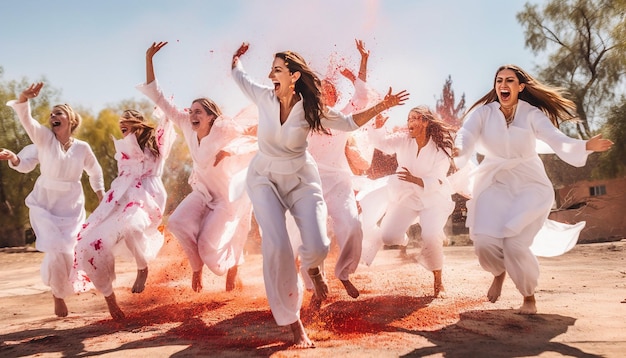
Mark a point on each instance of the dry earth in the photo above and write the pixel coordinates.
(580, 302)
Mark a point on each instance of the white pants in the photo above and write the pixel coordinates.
(510, 254)
(214, 237)
(55, 272)
(305, 202)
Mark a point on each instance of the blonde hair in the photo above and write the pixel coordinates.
(73, 116)
(143, 130)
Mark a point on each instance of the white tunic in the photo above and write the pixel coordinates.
(211, 223)
(510, 188)
(402, 203)
(57, 202)
(282, 176)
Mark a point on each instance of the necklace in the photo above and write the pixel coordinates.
(509, 119)
(67, 144)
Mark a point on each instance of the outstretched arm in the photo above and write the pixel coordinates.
(598, 144)
(240, 51)
(152, 50)
(31, 92)
(8, 155)
(365, 54)
(390, 100)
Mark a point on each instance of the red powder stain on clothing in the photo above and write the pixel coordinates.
(125, 156)
(110, 196)
(97, 245)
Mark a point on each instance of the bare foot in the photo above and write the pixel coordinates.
(114, 309)
(496, 287)
(315, 304)
(140, 281)
(300, 339)
(350, 289)
(439, 290)
(60, 309)
(528, 307)
(319, 283)
(231, 278)
(196, 281)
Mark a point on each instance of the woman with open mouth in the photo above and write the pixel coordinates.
(210, 224)
(57, 202)
(511, 195)
(283, 176)
(418, 192)
(128, 219)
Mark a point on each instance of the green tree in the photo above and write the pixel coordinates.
(584, 42)
(612, 163)
(450, 111)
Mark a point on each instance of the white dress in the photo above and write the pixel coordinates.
(511, 195)
(401, 204)
(211, 224)
(283, 176)
(57, 202)
(129, 215)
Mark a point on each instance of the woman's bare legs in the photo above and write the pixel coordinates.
(196, 280)
(140, 281)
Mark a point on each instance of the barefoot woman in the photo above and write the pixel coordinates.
(512, 195)
(283, 176)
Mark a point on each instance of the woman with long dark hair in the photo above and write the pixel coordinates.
(511, 195)
(283, 176)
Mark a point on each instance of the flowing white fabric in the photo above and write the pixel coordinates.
(127, 221)
(212, 223)
(56, 203)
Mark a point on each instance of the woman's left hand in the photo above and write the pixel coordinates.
(405, 175)
(598, 144)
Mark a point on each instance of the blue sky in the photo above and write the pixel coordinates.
(94, 51)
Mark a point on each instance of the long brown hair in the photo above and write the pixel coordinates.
(143, 130)
(436, 129)
(550, 100)
(308, 86)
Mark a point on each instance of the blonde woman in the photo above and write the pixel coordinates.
(57, 202)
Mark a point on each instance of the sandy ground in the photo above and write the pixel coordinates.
(581, 313)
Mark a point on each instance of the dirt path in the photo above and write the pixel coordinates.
(579, 302)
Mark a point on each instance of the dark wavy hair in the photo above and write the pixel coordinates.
(308, 86)
(436, 129)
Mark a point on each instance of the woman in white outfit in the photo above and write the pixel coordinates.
(419, 191)
(336, 154)
(128, 219)
(57, 202)
(283, 176)
(511, 193)
(211, 226)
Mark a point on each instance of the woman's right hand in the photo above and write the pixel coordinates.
(31, 92)
(150, 52)
(156, 46)
(240, 51)
(6, 154)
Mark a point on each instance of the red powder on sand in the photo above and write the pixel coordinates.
(242, 320)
